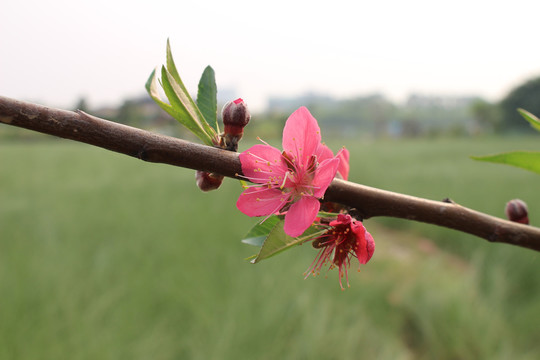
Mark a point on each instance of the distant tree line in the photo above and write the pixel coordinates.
(420, 115)
(502, 116)
(373, 115)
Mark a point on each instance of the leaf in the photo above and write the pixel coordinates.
(532, 119)
(186, 99)
(260, 231)
(277, 241)
(152, 89)
(171, 66)
(207, 97)
(528, 160)
(178, 101)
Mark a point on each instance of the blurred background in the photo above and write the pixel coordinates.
(104, 256)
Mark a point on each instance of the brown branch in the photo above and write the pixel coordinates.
(157, 148)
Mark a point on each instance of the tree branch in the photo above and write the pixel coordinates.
(151, 147)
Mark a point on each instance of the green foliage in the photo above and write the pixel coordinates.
(526, 96)
(527, 160)
(181, 106)
(258, 233)
(532, 119)
(207, 97)
(375, 115)
(272, 240)
(486, 115)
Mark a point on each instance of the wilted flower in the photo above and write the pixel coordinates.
(346, 238)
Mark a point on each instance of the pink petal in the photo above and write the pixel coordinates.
(301, 135)
(301, 215)
(370, 246)
(323, 152)
(262, 162)
(261, 201)
(342, 219)
(343, 169)
(364, 240)
(324, 175)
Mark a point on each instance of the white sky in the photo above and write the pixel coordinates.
(54, 52)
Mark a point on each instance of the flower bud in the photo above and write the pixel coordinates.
(516, 210)
(208, 181)
(235, 115)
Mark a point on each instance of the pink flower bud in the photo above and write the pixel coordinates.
(516, 210)
(208, 181)
(235, 116)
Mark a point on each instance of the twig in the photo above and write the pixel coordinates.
(151, 147)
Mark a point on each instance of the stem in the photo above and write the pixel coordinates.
(147, 146)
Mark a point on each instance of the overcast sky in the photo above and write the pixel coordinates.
(54, 52)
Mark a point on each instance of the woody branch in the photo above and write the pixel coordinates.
(151, 147)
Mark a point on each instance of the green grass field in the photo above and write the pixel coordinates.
(107, 257)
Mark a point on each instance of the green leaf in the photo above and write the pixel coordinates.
(528, 160)
(186, 99)
(207, 97)
(277, 241)
(152, 88)
(532, 119)
(178, 101)
(171, 66)
(260, 231)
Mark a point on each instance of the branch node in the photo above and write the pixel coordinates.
(142, 154)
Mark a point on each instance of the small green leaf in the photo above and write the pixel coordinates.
(255, 241)
(528, 160)
(186, 99)
(532, 119)
(171, 66)
(260, 231)
(207, 97)
(152, 88)
(277, 241)
(178, 101)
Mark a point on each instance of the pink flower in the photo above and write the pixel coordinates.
(345, 239)
(291, 181)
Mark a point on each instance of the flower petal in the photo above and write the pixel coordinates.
(370, 246)
(323, 176)
(261, 201)
(343, 168)
(323, 152)
(301, 135)
(364, 241)
(301, 215)
(261, 163)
